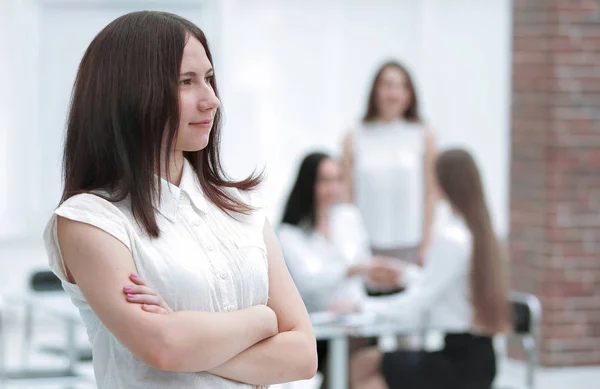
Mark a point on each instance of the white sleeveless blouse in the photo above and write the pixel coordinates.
(203, 260)
(389, 182)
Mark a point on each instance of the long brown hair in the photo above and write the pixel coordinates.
(460, 181)
(411, 113)
(124, 104)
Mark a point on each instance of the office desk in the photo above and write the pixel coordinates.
(338, 329)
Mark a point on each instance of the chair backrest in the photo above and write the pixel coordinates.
(521, 318)
(45, 281)
(527, 312)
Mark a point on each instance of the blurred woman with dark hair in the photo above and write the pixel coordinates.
(324, 243)
(388, 167)
(323, 240)
(177, 274)
(462, 288)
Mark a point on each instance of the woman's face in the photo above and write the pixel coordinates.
(393, 94)
(197, 100)
(328, 187)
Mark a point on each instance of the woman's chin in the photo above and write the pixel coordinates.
(197, 144)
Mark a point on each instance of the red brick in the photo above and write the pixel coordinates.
(580, 358)
(530, 30)
(572, 58)
(566, 331)
(531, 44)
(531, 57)
(565, 7)
(523, 6)
(533, 16)
(554, 239)
(572, 344)
(562, 43)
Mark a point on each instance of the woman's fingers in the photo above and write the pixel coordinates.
(138, 289)
(137, 279)
(151, 299)
(140, 293)
(154, 309)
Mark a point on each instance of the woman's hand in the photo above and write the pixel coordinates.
(152, 302)
(383, 273)
(343, 307)
(140, 293)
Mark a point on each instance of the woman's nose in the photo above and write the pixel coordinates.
(208, 101)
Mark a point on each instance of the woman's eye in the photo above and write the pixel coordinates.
(208, 79)
(187, 81)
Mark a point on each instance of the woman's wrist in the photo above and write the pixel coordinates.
(265, 320)
(356, 270)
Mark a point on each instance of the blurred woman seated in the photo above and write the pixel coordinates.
(324, 242)
(461, 288)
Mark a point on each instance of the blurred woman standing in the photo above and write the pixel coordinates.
(388, 167)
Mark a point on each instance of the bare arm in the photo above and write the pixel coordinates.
(430, 194)
(183, 341)
(289, 355)
(347, 168)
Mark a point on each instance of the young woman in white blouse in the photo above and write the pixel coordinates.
(145, 198)
(461, 288)
(388, 165)
(324, 243)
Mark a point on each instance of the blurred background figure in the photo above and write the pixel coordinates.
(324, 243)
(388, 167)
(462, 288)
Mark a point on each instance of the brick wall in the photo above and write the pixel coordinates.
(555, 172)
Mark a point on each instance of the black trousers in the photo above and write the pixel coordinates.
(467, 361)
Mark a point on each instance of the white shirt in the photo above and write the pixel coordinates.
(440, 290)
(389, 183)
(319, 266)
(203, 260)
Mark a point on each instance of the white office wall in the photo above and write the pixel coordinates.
(293, 77)
(296, 75)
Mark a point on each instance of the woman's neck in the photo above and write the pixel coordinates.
(389, 120)
(176, 161)
(322, 221)
(390, 117)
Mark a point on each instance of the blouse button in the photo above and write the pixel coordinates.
(223, 274)
(196, 222)
(210, 247)
(230, 308)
